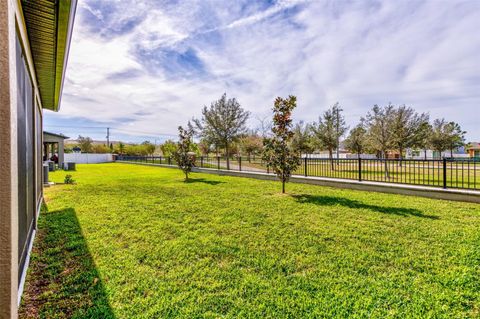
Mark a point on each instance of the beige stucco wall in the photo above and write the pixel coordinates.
(8, 169)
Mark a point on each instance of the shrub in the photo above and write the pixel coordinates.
(69, 179)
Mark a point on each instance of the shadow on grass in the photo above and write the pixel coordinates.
(203, 180)
(333, 201)
(63, 281)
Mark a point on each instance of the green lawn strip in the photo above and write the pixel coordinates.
(232, 247)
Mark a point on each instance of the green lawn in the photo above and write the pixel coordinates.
(459, 174)
(131, 241)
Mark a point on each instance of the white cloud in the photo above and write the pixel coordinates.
(424, 54)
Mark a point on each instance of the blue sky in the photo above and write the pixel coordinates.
(145, 67)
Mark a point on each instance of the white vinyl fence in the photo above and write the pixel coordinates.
(87, 158)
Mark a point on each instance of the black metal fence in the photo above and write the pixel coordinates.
(442, 173)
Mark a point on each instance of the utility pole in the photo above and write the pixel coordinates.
(338, 135)
(108, 137)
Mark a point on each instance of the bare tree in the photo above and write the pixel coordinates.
(264, 126)
(223, 122)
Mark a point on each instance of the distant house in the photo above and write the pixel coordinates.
(473, 149)
(431, 154)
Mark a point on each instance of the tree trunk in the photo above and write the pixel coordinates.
(425, 153)
(186, 176)
(400, 150)
(386, 164)
(283, 186)
(228, 156)
(451, 153)
(330, 153)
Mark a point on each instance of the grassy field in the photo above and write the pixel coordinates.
(131, 241)
(459, 175)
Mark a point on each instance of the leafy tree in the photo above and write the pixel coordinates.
(223, 122)
(406, 127)
(100, 149)
(329, 129)
(121, 148)
(356, 140)
(302, 139)
(446, 136)
(456, 137)
(183, 155)
(381, 130)
(204, 146)
(85, 144)
(136, 149)
(277, 153)
(149, 147)
(422, 138)
(251, 144)
(168, 148)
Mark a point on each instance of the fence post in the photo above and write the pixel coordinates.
(305, 166)
(359, 169)
(240, 163)
(444, 173)
(218, 162)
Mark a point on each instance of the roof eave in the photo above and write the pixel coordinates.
(69, 14)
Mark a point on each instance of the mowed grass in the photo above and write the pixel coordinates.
(132, 241)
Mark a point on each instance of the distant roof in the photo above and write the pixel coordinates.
(56, 135)
(49, 25)
(473, 146)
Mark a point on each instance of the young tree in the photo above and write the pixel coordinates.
(456, 137)
(441, 136)
(251, 144)
(380, 130)
(356, 140)
(121, 148)
(183, 156)
(406, 126)
(168, 148)
(85, 144)
(277, 153)
(223, 123)
(329, 129)
(302, 139)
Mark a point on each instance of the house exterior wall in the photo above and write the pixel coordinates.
(15, 248)
(8, 169)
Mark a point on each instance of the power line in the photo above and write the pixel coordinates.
(114, 128)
